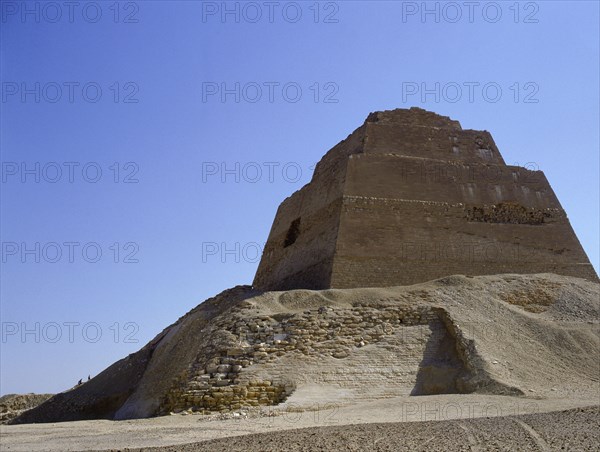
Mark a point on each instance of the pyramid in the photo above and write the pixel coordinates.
(410, 196)
(391, 205)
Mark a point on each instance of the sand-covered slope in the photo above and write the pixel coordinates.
(504, 334)
(12, 405)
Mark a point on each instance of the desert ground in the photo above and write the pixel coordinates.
(504, 362)
(448, 422)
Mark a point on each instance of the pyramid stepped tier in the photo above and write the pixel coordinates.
(409, 197)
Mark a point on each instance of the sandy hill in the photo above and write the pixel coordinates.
(12, 405)
(504, 334)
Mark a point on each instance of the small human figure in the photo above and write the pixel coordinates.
(79, 382)
(89, 378)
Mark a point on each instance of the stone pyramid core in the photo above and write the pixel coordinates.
(409, 197)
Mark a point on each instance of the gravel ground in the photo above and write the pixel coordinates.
(573, 430)
(443, 422)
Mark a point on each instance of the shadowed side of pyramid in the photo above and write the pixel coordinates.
(409, 197)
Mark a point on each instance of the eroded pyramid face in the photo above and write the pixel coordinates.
(408, 197)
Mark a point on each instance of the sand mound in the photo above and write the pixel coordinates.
(506, 334)
(12, 405)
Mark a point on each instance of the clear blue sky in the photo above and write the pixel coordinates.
(157, 65)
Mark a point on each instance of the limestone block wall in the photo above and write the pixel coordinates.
(423, 134)
(409, 178)
(415, 241)
(304, 259)
(364, 349)
(306, 262)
